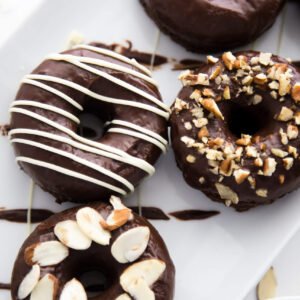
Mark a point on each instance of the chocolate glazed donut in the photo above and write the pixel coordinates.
(211, 26)
(45, 124)
(235, 128)
(124, 247)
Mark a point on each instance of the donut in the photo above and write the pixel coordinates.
(234, 128)
(46, 118)
(123, 246)
(211, 26)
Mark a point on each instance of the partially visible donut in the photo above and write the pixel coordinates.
(45, 124)
(211, 26)
(235, 128)
(123, 246)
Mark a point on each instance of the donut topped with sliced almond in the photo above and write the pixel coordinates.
(94, 252)
(235, 128)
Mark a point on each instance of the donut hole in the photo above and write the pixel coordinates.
(91, 126)
(252, 120)
(95, 282)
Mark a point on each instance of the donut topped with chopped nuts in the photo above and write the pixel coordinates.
(235, 128)
(94, 252)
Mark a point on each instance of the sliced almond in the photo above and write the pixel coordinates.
(281, 179)
(269, 166)
(260, 78)
(139, 277)
(279, 153)
(241, 175)
(123, 297)
(46, 289)
(264, 58)
(196, 95)
(296, 92)
(215, 73)
(292, 132)
(262, 193)
(89, 222)
(288, 162)
(284, 85)
(203, 132)
(46, 253)
(285, 114)
(226, 93)
(190, 159)
(266, 289)
(212, 106)
(70, 234)
(229, 60)
(245, 140)
(211, 59)
(258, 162)
(226, 167)
(73, 290)
(29, 282)
(208, 92)
(293, 151)
(118, 217)
(226, 193)
(131, 244)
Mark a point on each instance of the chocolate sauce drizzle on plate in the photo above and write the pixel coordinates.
(188, 64)
(20, 215)
(151, 213)
(5, 286)
(193, 214)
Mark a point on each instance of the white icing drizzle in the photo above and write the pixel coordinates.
(111, 78)
(78, 141)
(141, 129)
(46, 107)
(30, 203)
(52, 90)
(75, 144)
(102, 63)
(145, 166)
(69, 173)
(77, 159)
(96, 96)
(116, 55)
(139, 135)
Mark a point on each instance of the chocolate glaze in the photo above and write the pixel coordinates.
(65, 188)
(297, 63)
(151, 213)
(262, 113)
(5, 286)
(193, 214)
(96, 257)
(211, 26)
(20, 215)
(187, 64)
(141, 57)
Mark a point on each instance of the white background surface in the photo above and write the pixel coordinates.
(287, 265)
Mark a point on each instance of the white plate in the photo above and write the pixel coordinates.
(219, 258)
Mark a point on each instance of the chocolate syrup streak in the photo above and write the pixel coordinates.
(143, 58)
(5, 286)
(151, 213)
(20, 215)
(188, 64)
(193, 214)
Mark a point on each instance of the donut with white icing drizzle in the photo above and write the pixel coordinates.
(45, 122)
(55, 259)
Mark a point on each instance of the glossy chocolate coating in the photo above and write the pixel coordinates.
(66, 188)
(211, 26)
(267, 133)
(97, 257)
